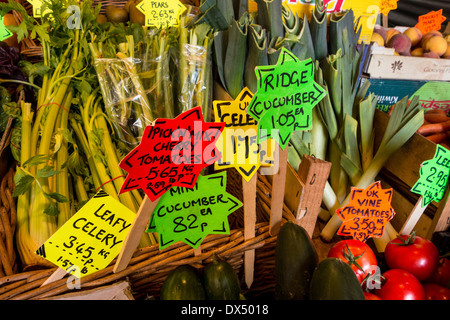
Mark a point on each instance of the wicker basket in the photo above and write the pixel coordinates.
(149, 266)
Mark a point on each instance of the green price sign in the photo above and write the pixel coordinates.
(190, 214)
(286, 95)
(4, 32)
(433, 177)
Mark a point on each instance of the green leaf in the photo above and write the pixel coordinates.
(57, 196)
(52, 210)
(46, 172)
(23, 184)
(35, 160)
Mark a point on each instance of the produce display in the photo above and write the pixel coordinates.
(412, 42)
(73, 118)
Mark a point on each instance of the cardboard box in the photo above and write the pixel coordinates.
(408, 68)
(432, 94)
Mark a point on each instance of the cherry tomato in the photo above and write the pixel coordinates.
(400, 285)
(412, 253)
(356, 253)
(371, 296)
(442, 274)
(436, 292)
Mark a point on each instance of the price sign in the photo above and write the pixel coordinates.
(91, 238)
(430, 21)
(39, 8)
(238, 142)
(367, 212)
(285, 97)
(387, 6)
(189, 215)
(4, 32)
(433, 177)
(161, 14)
(172, 152)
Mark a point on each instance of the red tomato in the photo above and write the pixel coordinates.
(436, 292)
(400, 285)
(415, 254)
(360, 253)
(371, 296)
(442, 274)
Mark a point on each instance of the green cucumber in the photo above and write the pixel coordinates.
(221, 281)
(182, 283)
(295, 260)
(334, 279)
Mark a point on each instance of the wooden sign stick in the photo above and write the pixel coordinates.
(413, 217)
(140, 223)
(441, 219)
(55, 276)
(313, 174)
(249, 191)
(278, 187)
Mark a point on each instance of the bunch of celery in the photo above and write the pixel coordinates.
(43, 186)
(66, 130)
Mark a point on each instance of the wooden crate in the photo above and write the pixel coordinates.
(401, 172)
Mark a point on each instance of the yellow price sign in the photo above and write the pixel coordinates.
(91, 238)
(38, 8)
(238, 141)
(161, 14)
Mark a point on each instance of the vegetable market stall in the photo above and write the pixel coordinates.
(147, 74)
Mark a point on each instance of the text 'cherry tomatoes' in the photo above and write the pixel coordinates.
(412, 253)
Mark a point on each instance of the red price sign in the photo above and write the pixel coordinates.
(172, 152)
(367, 212)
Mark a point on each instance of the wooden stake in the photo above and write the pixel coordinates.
(385, 20)
(138, 227)
(249, 191)
(441, 220)
(278, 187)
(313, 174)
(55, 276)
(413, 217)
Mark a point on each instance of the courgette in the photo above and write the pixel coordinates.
(182, 283)
(221, 281)
(295, 260)
(334, 279)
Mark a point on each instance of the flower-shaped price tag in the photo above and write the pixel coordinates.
(172, 152)
(430, 21)
(387, 6)
(433, 177)
(4, 32)
(285, 97)
(189, 215)
(367, 212)
(238, 142)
